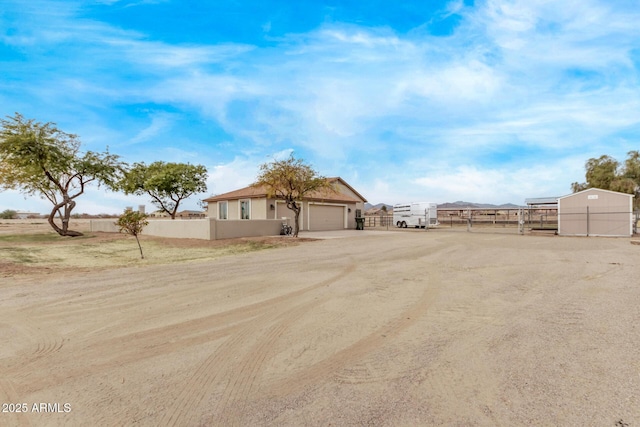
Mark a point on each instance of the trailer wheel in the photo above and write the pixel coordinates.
(404, 224)
(398, 224)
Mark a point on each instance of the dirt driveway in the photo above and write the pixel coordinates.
(442, 328)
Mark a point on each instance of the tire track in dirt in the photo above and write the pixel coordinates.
(478, 384)
(202, 382)
(238, 390)
(461, 378)
(115, 297)
(49, 346)
(123, 288)
(118, 287)
(235, 397)
(33, 341)
(383, 365)
(356, 352)
(138, 346)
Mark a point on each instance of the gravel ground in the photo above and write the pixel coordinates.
(404, 328)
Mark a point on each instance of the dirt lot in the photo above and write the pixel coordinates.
(413, 328)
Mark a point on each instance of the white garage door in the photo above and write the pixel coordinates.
(326, 217)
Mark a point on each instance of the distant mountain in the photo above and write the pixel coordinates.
(462, 205)
(369, 206)
(451, 205)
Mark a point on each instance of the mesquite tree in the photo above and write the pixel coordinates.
(167, 183)
(40, 159)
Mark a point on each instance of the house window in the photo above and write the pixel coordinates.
(245, 209)
(222, 210)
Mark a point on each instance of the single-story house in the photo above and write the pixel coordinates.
(596, 212)
(333, 209)
(159, 214)
(26, 215)
(190, 214)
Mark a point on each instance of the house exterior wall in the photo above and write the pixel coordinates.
(212, 210)
(234, 209)
(259, 209)
(341, 188)
(271, 213)
(315, 215)
(281, 211)
(595, 212)
(358, 205)
(351, 216)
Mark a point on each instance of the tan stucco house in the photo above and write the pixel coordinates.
(323, 210)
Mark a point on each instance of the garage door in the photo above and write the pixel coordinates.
(326, 217)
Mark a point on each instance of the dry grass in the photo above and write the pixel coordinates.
(114, 253)
(33, 253)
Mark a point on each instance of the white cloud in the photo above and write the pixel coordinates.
(151, 53)
(361, 37)
(160, 122)
(498, 185)
(236, 174)
(453, 83)
(283, 154)
(242, 171)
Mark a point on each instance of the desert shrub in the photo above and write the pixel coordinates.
(8, 214)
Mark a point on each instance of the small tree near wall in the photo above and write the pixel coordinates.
(132, 222)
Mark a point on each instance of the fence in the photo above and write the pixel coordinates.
(378, 221)
(618, 223)
(535, 218)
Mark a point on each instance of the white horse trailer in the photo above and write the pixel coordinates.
(418, 214)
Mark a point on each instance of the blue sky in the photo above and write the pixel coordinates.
(488, 101)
